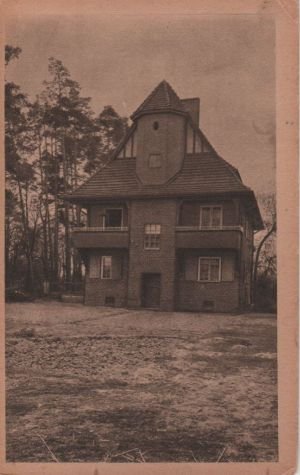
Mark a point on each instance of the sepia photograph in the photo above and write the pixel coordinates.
(140, 238)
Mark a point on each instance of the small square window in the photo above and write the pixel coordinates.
(152, 236)
(155, 161)
(208, 305)
(109, 301)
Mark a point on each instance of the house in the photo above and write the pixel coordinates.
(170, 222)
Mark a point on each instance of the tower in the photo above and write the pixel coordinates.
(160, 134)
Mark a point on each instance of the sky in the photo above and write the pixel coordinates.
(228, 61)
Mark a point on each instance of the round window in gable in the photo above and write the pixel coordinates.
(155, 125)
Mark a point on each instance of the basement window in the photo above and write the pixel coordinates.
(106, 267)
(109, 301)
(208, 305)
(152, 237)
(209, 269)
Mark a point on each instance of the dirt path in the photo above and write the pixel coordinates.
(91, 384)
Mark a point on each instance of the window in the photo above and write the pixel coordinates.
(155, 125)
(208, 305)
(113, 218)
(155, 161)
(209, 269)
(109, 301)
(210, 216)
(128, 149)
(106, 267)
(152, 236)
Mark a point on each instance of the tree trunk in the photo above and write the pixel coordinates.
(7, 251)
(66, 218)
(256, 262)
(43, 219)
(56, 224)
(29, 278)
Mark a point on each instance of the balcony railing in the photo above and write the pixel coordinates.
(100, 237)
(210, 228)
(99, 229)
(202, 237)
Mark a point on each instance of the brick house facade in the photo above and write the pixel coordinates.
(170, 223)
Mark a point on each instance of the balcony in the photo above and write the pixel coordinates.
(97, 237)
(221, 237)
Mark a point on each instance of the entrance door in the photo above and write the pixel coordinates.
(151, 290)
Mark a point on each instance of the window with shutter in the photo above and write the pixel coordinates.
(94, 267)
(106, 267)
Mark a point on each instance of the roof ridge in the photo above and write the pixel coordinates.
(215, 153)
(162, 98)
(167, 92)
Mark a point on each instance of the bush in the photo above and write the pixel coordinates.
(266, 294)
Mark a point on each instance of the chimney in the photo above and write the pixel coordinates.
(193, 108)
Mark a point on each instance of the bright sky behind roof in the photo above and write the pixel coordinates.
(227, 61)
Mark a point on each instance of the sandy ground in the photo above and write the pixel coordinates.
(116, 385)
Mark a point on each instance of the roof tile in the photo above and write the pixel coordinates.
(201, 173)
(162, 98)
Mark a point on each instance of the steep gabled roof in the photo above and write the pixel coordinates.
(162, 99)
(200, 174)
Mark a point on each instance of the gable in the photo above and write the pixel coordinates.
(128, 148)
(196, 142)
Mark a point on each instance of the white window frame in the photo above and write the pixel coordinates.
(102, 268)
(209, 258)
(211, 206)
(149, 233)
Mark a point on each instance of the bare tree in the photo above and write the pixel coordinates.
(265, 261)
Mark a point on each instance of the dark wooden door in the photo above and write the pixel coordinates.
(151, 290)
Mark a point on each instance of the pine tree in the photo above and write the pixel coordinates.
(69, 118)
(20, 174)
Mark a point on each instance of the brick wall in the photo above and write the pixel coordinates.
(151, 261)
(176, 291)
(97, 289)
(193, 295)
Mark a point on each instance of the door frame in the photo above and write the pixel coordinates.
(143, 275)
